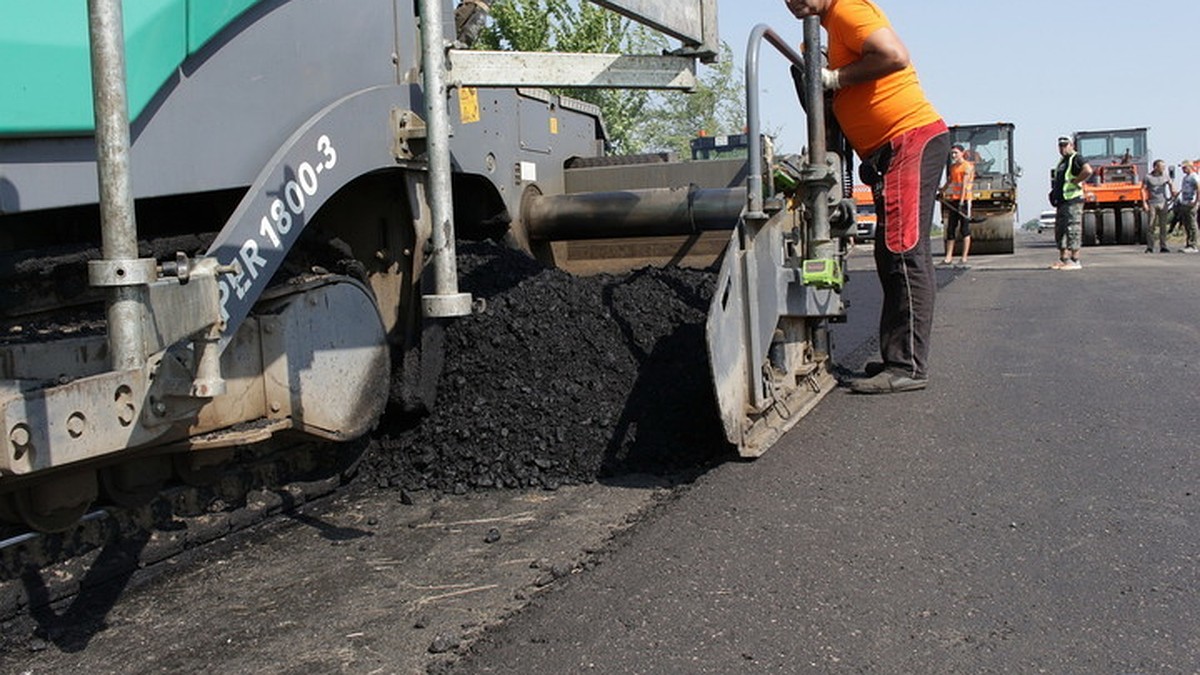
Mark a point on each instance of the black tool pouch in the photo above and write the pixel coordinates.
(873, 167)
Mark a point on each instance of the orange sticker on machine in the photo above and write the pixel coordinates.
(468, 105)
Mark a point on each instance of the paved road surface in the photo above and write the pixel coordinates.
(1034, 510)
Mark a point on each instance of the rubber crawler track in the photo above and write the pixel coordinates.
(37, 570)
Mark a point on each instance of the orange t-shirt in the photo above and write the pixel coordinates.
(958, 180)
(871, 113)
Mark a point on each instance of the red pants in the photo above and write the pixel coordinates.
(908, 171)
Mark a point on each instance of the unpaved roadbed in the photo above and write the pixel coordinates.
(364, 583)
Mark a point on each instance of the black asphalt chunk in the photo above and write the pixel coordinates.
(561, 380)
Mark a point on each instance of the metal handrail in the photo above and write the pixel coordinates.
(814, 104)
(754, 185)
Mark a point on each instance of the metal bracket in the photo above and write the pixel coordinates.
(547, 69)
(111, 273)
(407, 126)
(447, 306)
(176, 310)
(694, 23)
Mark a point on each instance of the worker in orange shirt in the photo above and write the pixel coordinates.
(956, 202)
(903, 143)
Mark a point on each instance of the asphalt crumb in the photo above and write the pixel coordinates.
(561, 380)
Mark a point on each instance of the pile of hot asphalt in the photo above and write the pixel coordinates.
(560, 380)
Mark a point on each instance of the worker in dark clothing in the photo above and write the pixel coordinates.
(1066, 196)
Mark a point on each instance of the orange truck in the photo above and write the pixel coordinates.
(864, 210)
(1112, 197)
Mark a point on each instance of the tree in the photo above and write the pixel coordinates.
(566, 26)
(717, 106)
(635, 120)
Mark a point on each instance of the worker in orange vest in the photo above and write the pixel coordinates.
(902, 142)
(956, 202)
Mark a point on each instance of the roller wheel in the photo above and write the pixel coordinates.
(201, 468)
(55, 506)
(1089, 228)
(1127, 227)
(136, 483)
(1108, 228)
(993, 235)
(8, 510)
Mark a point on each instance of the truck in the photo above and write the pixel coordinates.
(865, 218)
(706, 147)
(1046, 220)
(1112, 196)
(226, 224)
(994, 193)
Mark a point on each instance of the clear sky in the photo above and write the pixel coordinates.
(1048, 66)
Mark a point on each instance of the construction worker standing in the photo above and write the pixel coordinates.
(903, 142)
(1066, 195)
(1189, 194)
(956, 202)
(1157, 193)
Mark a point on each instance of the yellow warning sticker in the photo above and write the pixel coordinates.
(554, 125)
(468, 104)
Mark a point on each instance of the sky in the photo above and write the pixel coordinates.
(1050, 67)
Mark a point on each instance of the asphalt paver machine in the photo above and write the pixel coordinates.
(223, 224)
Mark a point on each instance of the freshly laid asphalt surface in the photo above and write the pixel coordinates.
(1034, 510)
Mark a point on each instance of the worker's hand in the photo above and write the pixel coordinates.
(831, 79)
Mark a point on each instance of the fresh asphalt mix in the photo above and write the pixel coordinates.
(1034, 510)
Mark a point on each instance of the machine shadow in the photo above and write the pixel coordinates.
(669, 424)
(72, 628)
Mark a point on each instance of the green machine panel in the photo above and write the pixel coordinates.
(206, 18)
(45, 84)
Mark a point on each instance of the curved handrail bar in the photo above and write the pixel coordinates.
(754, 131)
(813, 95)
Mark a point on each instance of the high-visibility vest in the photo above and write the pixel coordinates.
(957, 181)
(1070, 189)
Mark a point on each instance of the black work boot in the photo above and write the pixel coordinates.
(888, 382)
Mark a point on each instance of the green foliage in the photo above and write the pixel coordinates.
(518, 25)
(561, 26)
(635, 120)
(567, 26)
(718, 106)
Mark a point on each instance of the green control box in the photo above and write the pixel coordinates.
(823, 273)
